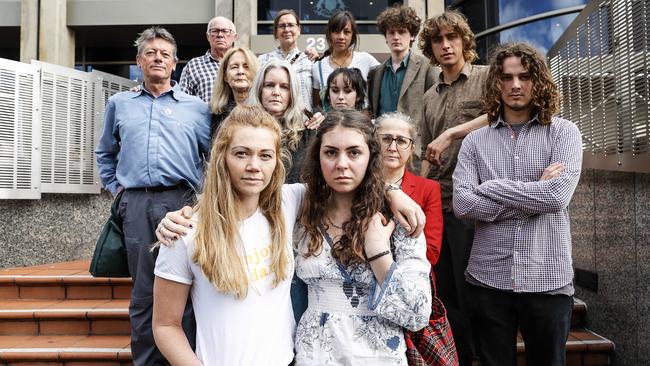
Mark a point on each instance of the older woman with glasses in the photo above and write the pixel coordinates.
(396, 132)
(286, 30)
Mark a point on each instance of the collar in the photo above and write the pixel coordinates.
(501, 122)
(291, 52)
(405, 61)
(174, 91)
(465, 72)
(208, 57)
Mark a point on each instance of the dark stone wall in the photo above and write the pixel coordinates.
(610, 226)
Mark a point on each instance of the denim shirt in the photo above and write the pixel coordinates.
(150, 141)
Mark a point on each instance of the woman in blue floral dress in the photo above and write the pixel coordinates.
(367, 279)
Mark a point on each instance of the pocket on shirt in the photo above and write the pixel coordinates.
(469, 109)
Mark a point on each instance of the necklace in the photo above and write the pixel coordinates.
(397, 182)
(334, 225)
(339, 65)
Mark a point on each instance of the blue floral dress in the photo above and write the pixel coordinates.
(350, 320)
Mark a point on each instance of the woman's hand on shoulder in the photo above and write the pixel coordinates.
(312, 54)
(377, 238)
(407, 212)
(174, 224)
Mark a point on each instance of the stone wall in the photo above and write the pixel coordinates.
(610, 218)
(56, 228)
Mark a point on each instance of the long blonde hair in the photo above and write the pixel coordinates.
(293, 120)
(218, 247)
(222, 92)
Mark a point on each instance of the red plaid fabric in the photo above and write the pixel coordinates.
(434, 344)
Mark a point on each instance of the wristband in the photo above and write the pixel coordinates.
(379, 255)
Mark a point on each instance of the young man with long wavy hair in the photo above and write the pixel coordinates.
(515, 178)
(449, 104)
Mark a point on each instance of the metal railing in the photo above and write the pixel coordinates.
(601, 64)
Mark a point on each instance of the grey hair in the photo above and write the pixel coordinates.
(293, 116)
(152, 33)
(413, 129)
(293, 121)
(234, 29)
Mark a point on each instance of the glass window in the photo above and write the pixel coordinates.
(321, 10)
(510, 10)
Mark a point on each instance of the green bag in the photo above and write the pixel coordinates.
(109, 259)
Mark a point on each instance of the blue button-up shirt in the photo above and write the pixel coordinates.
(522, 241)
(152, 141)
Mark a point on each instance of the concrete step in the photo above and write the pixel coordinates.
(68, 280)
(584, 348)
(64, 317)
(65, 350)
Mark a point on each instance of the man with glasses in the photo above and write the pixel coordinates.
(198, 75)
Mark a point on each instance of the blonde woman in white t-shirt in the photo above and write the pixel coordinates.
(237, 261)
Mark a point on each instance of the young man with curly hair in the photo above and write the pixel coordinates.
(455, 99)
(400, 82)
(515, 178)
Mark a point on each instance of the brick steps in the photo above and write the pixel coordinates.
(65, 350)
(584, 348)
(60, 315)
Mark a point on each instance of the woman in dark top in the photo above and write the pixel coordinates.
(232, 83)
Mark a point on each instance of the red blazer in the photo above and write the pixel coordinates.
(426, 193)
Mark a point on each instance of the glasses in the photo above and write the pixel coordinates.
(287, 26)
(400, 141)
(225, 32)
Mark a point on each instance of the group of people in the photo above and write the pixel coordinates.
(326, 192)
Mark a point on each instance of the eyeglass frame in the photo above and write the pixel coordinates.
(226, 32)
(394, 139)
(287, 26)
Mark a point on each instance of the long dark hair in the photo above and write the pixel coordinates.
(337, 22)
(369, 197)
(351, 77)
(546, 98)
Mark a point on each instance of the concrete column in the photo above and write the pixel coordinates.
(56, 41)
(435, 7)
(28, 30)
(223, 9)
(245, 19)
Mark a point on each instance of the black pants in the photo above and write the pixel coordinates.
(544, 322)
(141, 212)
(457, 237)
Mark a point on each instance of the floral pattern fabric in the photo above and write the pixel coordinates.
(350, 319)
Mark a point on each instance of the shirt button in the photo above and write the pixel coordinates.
(518, 228)
(516, 157)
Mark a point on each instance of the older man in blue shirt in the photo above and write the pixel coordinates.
(151, 151)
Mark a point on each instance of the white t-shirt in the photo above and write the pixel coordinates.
(256, 330)
(361, 60)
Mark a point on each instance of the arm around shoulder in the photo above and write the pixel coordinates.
(405, 295)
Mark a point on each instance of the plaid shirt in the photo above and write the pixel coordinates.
(522, 240)
(301, 65)
(198, 76)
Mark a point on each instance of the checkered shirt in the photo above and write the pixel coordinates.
(198, 76)
(301, 65)
(522, 241)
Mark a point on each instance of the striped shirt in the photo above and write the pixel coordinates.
(522, 241)
(301, 65)
(198, 76)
